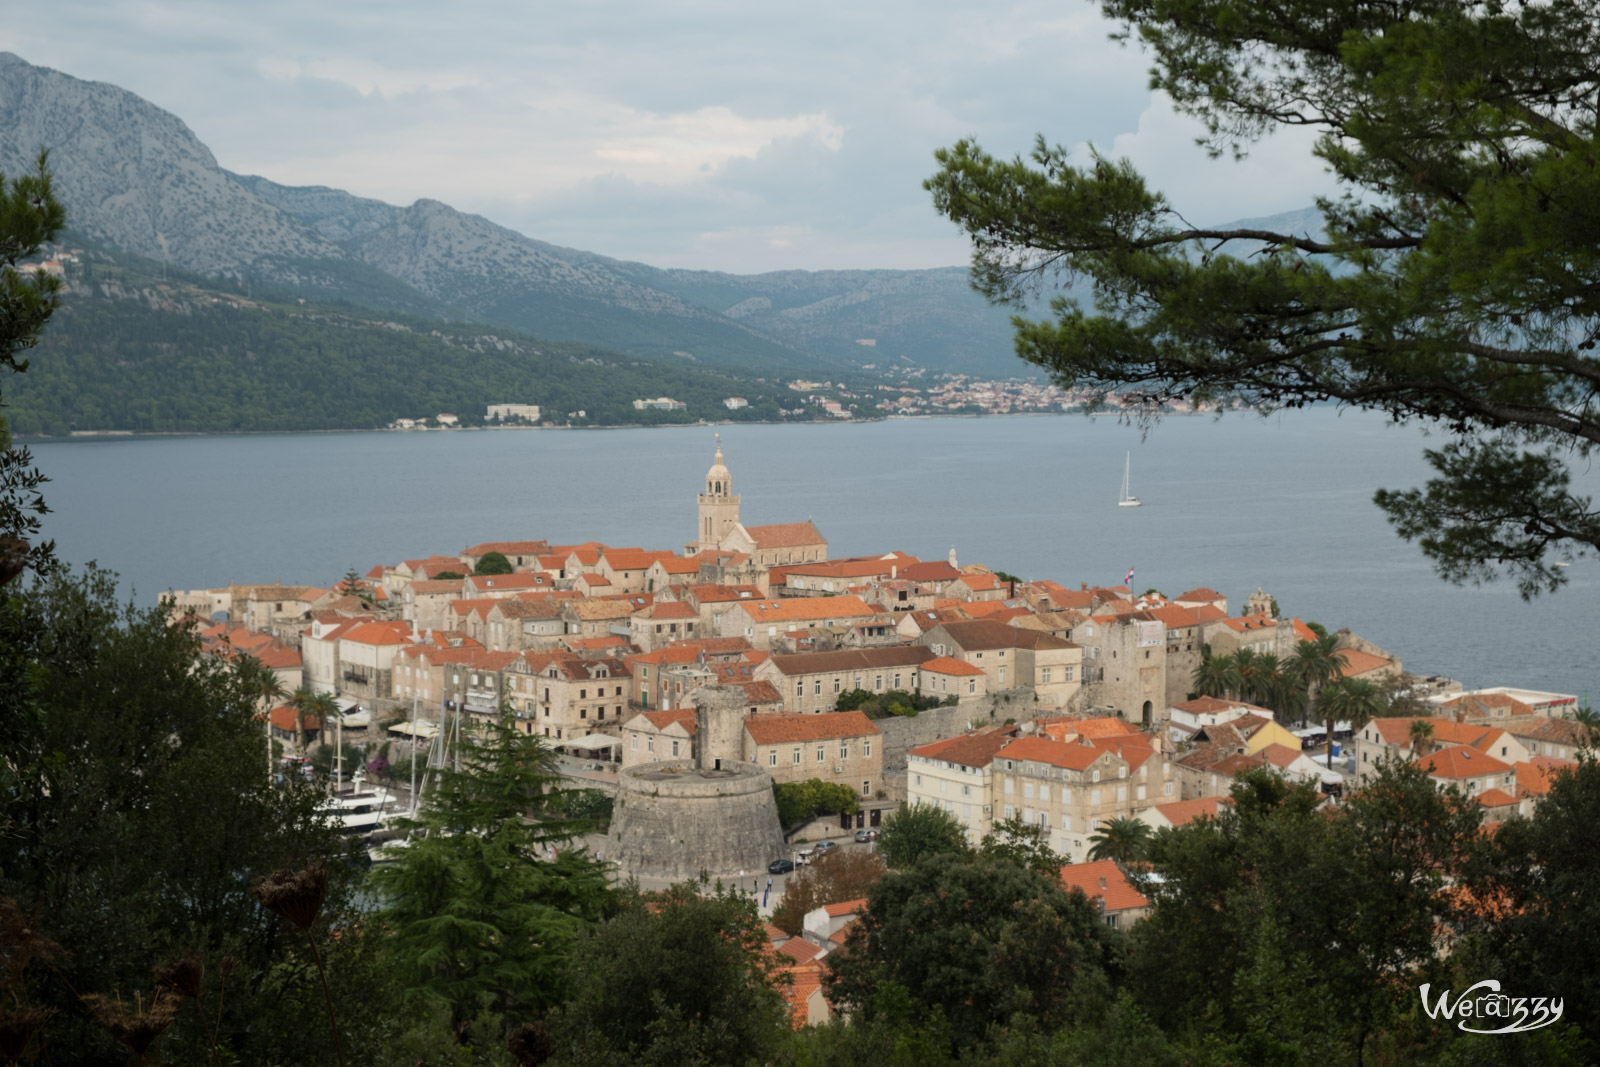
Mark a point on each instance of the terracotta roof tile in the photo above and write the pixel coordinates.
(950, 665)
(1183, 811)
(1103, 880)
(1357, 662)
(785, 535)
(984, 635)
(857, 659)
(847, 907)
(783, 729)
(1055, 753)
(975, 749)
(1460, 761)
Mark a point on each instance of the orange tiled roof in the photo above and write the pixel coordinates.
(508, 548)
(785, 535)
(1496, 798)
(805, 609)
(380, 633)
(677, 716)
(847, 907)
(1098, 726)
(1460, 761)
(782, 729)
(799, 949)
(975, 749)
(1535, 775)
(1055, 753)
(1103, 879)
(1183, 811)
(950, 665)
(1200, 594)
(1358, 662)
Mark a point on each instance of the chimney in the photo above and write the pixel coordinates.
(1102, 882)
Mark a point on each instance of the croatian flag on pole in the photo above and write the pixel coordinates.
(1128, 581)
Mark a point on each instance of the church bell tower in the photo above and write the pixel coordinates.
(719, 505)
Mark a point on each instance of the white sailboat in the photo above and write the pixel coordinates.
(1127, 499)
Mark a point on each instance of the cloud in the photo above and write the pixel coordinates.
(703, 133)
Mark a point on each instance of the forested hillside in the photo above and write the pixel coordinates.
(131, 351)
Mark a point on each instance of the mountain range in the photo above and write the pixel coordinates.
(135, 178)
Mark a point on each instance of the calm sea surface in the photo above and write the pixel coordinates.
(1284, 504)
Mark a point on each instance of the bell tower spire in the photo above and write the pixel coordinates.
(719, 505)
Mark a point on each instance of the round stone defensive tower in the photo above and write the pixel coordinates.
(675, 819)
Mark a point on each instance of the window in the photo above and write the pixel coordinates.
(866, 788)
(1027, 814)
(836, 685)
(1044, 675)
(916, 779)
(877, 683)
(583, 713)
(866, 748)
(1008, 785)
(1044, 792)
(800, 689)
(583, 694)
(944, 787)
(674, 748)
(772, 758)
(966, 809)
(897, 681)
(1094, 798)
(1044, 820)
(1096, 777)
(619, 690)
(649, 742)
(966, 790)
(822, 754)
(1141, 792)
(797, 756)
(972, 685)
(1027, 790)
(1002, 675)
(1122, 794)
(1166, 790)
(1066, 823)
(817, 691)
(1066, 674)
(844, 750)
(635, 745)
(1009, 811)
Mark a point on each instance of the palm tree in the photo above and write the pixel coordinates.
(1354, 700)
(302, 701)
(1215, 675)
(321, 708)
(1246, 667)
(1317, 662)
(1123, 839)
(1267, 681)
(1421, 734)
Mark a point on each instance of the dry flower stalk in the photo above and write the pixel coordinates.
(17, 1027)
(296, 895)
(137, 1027)
(184, 977)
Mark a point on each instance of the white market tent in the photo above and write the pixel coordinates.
(420, 728)
(591, 742)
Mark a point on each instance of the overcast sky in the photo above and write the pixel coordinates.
(707, 134)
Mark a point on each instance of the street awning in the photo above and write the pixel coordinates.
(420, 728)
(590, 742)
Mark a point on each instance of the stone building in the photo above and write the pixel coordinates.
(1129, 659)
(813, 682)
(1012, 657)
(656, 736)
(1070, 789)
(840, 747)
(762, 622)
(955, 774)
(662, 623)
(719, 529)
(568, 695)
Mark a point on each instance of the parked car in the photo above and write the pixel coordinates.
(825, 847)
(780, 867)
(863, 836)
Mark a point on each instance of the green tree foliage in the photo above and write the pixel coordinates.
(799, 801)
(134, 352)
(29, 216)
(1352, 700)
(673, 979)
(1023, 844)
(1454, 280)
(1296, 936)
(914, 831)
(1537, 896)
(980, 940)
(890, 702)
(482, 917)
(1124, 839)
(831, 878)
(493, 563)
(137, 810)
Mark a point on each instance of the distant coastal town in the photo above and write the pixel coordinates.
(750, 650)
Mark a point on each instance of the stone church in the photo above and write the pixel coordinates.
(768, 546)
